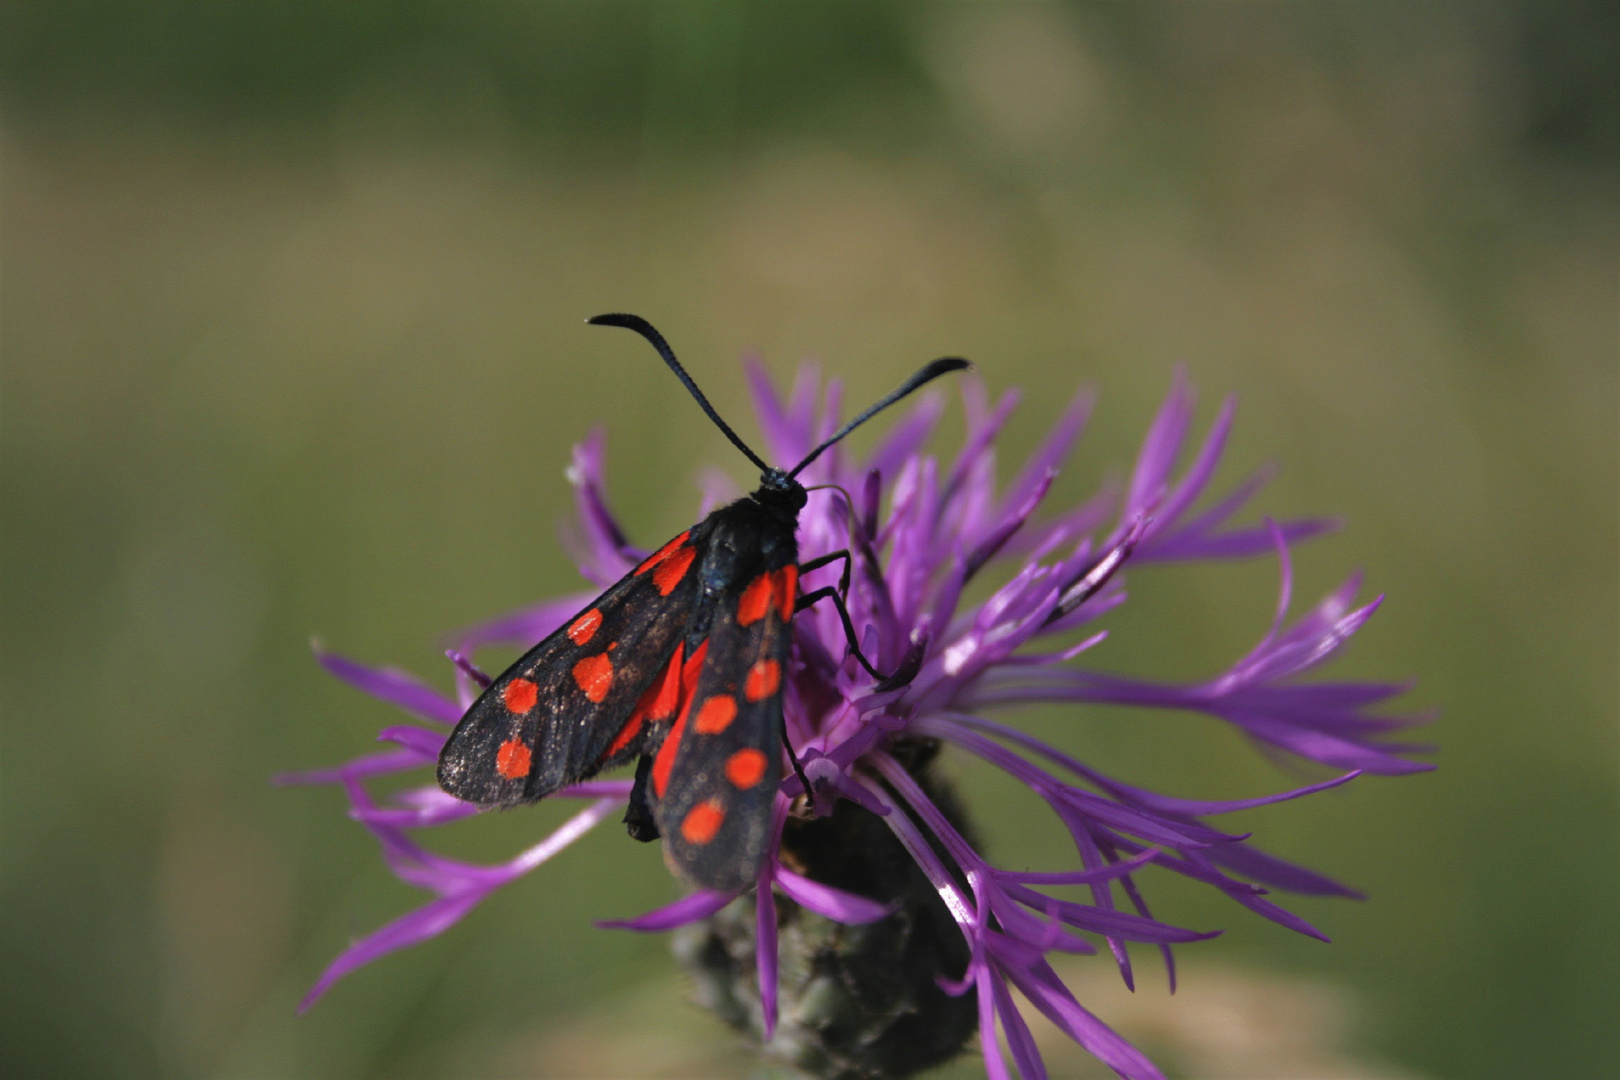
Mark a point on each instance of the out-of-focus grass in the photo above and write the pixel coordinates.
(309, 359)
(1222, 1022)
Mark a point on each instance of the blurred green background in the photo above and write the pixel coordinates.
(291, 297)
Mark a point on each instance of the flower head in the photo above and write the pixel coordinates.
(922, 532)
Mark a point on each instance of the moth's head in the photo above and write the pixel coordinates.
(779, 490)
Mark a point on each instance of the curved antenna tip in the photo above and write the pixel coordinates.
(924, 375)
(656, 340)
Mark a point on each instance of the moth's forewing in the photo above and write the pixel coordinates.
(550, 719)
(716, 776)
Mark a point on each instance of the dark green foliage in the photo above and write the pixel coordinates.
(690, 75)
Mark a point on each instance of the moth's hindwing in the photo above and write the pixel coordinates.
(557, 715)
(715, 778)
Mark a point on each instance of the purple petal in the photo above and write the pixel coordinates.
(1198, 474)
(371, 765)
(906, 437)
(1183, 545)
(835, 904)
(1041, 935)
(1285, 584)
(994, 1066)
(1169, 804)
(1047, 993)
(979, 440)
(1216, 515)
(786, 428)
(525, 627)
(415, 817)
(1283, 716)
(802, 404)
(718, 489)
(1268, 869)
(1078, 522)
(1080, 877)
(828, 781)
(1107, 922)
(871, 501)
(689, 909)
(469, 669)
(1052, 452)
(428, 870)
(1129, 885)
(1011, 523)
(1329, 750)
(1048, 659)
(1102, 895)
(1196, 867)
(1306, 643)
(929, 862)
(428, 921)
(603, 553)
(1336, 695)
(1153, 829)
(1090, 584)
(1026, 1057)
(765, 947)
(566, 833)
(391, 685)
(1139, 796)
(427, 744)
(907, 787)
(1279, 915)
(1161, 446)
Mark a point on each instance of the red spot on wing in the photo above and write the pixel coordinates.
(745, 768)
(520, 695)
(764, 678)
(716, 715)
(594, 676)
(774, 588)
(663, 553)
(585, 627)
(703, 821)
(632, 728)
(787, 584)
(658, 702)
(665, 761)
(512, 759)
(672, 569)
(756, 601)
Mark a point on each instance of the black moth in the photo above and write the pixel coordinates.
(679, 666)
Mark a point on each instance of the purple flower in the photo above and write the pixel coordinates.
(922, 531)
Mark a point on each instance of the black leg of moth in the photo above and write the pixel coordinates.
(900, 676)
(798, 770)
(638, 816)
(830, 593)
(827, 560)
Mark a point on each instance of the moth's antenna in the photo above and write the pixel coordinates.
(645, 329)
(928, 374)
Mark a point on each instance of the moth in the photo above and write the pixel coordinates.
(680, 667)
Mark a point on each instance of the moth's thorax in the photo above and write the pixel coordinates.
(748, 537)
